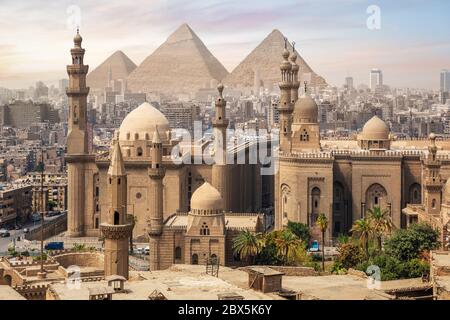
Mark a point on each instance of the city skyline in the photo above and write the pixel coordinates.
(411, 54)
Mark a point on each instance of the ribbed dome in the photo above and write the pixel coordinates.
(375, 129)
(305, 110)
(206, 197)
(142, 122)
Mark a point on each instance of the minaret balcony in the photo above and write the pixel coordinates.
(156, 173)
(77, 91)
(121, 231)
(155, 230)
(220, 123)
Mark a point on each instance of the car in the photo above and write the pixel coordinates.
(5, 234)
(26, 230)
(314, 246)
(147, 250)
(35, 217)
(139, 251)
(54, 246)
(17, 227)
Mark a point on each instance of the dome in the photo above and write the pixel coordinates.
(206, 197)
(305, 110)
(140, 124)
(375, 129)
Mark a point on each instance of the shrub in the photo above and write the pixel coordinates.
(407, 244)
(350, 254)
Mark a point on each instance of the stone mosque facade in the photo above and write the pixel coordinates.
(190, 212)
(345, 178)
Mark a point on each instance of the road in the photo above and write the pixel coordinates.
(15, 234)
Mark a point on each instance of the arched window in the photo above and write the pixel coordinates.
(204, 230)
(116, 218)
(433, 203)
(136, 136)
(376, 196)
(194, 258)
(139, 152)
(177, 253)
(415, 194)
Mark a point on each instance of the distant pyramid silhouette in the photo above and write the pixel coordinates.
(119, 63)
(181, 64)
(266, 58)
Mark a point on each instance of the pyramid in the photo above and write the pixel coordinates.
(182, 64)
(266, 58)
(119, 64)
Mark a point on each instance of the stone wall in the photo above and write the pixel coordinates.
(81, 259)
(290, 271)
(51, 228)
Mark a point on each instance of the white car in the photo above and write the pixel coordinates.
(147, 250)
(26, 230)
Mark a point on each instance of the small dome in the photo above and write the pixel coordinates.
(375, 129)
(305, 110)
(206, 197)
(142, 122)
(77, 39)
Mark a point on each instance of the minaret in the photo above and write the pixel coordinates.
(77, 155)
(220, 175)
(295, 82)
(432, 179)
(156, 173)
(285, 109)
(117, 229)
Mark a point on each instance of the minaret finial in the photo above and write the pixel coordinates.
(78, 29)
(285, 42)
(220, 89)
(293, 46)
(306, 86)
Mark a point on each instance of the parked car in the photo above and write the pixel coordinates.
(5, 234)
(53, 213)
(314, 246)
(26, 230)
(54, 246)
(147, 250)
(139, 250)
(35, 217)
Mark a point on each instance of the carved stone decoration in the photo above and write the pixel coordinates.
(111, 231)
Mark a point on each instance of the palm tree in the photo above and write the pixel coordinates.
(248, 245)
(133, 220)
(322, 223)
(381, 223)
(289, 246)
(363, 229)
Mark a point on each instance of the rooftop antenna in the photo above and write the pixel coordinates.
(293, 46)
(285, 42)
(306, 86)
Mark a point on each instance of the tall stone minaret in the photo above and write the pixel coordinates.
(77, 139)
(117, 229)
(220, 170)
(295, 82)
(432, 181)
(156, 173)
(285, 109)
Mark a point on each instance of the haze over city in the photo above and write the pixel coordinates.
(411, 46)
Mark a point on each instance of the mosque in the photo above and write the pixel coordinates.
(191, 211)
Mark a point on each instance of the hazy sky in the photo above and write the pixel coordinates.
(411, 46)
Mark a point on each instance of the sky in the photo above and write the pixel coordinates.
(409, 40)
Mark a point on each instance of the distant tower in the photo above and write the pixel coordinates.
(285, 108)
(77, 139)
(156, 173)
(117, 229)
(220, 174)
(256, 82)
(432, 179)
(109, 80)
(295, 81)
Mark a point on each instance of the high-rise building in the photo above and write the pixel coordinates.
(349, 83)
(445, 80)
(62, 85)
(376, 78)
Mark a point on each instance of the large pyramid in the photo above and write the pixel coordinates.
(266, 59)
(182, 64)
(119, 64)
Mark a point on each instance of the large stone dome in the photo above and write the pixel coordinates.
(375, 129)
(140, 124)
(206, 200)
(305, 110)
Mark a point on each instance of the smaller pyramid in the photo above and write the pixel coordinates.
(118, 64)
(266, 59)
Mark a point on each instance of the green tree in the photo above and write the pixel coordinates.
(51, 204)
(363, 230)
(322, 223)
(248, 245)
(301, 230)
(350, 254)
(408, 244)
(381, 223)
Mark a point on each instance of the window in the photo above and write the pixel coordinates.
(204, 230)
(116, 218)
(433, 203)
(304, 136)
(194, 258)
(118, 181)
(97, 191)
(139, 152)
(96, 223)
